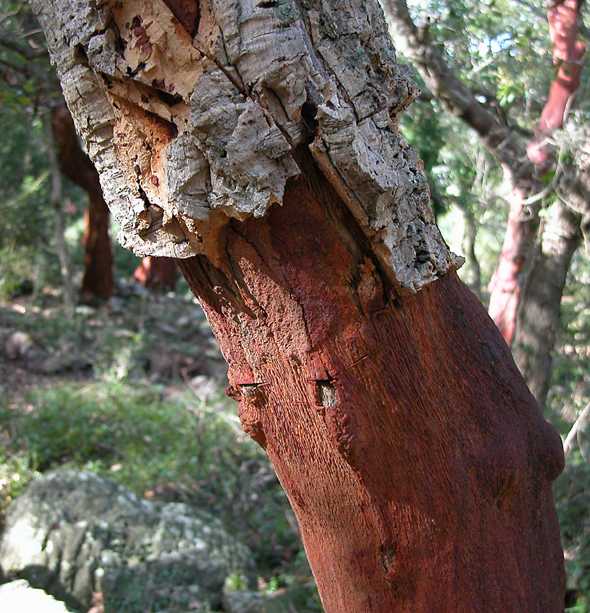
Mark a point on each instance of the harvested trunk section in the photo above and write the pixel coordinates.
(413, 455)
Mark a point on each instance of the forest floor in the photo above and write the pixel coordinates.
(146, 365)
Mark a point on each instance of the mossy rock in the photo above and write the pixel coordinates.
(75, 534)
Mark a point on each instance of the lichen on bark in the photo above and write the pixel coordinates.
(188, 131)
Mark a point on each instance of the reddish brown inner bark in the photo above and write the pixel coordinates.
(505, 286)
(97, 281)
(415, 458)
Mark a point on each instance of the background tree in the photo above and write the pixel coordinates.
(478, 104)
(339, 313)
(156, 273)
(97, 281)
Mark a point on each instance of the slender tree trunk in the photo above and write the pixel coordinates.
(97, 281)
(264, 153)
(473, 279)
(506, 284)
(539, 313)
(157, 273)
(56, 197)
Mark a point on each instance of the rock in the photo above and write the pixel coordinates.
(66, 359)
(19, 596)
(282, 601)
(75, 534)
(18, 345)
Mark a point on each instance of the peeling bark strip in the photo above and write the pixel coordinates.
(417, 462)
(413, 455)
(188, 133)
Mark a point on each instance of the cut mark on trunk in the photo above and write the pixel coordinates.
(250, 390)
(326, 393)
(506, 490)
(388, 556)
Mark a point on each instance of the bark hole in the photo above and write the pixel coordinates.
(250, 390)
(326, 393)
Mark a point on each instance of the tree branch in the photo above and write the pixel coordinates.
(442, 81)
(569, 443)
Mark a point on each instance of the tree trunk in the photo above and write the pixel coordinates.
(568, 53)
(472, 267)
(401, 506)
(156, 273)
(539, 312)
(97, 281)
(56, 196)
(510, 274)
(265, 154)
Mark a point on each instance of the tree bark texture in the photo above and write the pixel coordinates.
(539, 314)
(409, 469)
(264, 153)
(156, 273)
(514, 260)
(97, 281)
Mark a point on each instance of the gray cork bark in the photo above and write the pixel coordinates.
(187, 133)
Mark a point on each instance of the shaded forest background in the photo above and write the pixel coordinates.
(107, 363)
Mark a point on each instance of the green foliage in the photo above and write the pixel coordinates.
(180, 450)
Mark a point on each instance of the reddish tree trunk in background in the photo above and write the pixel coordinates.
(505, 286)
(412, 452)
(97, 281)
(568, 52)
(157, 273)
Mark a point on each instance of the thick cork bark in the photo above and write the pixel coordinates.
(260, 147)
